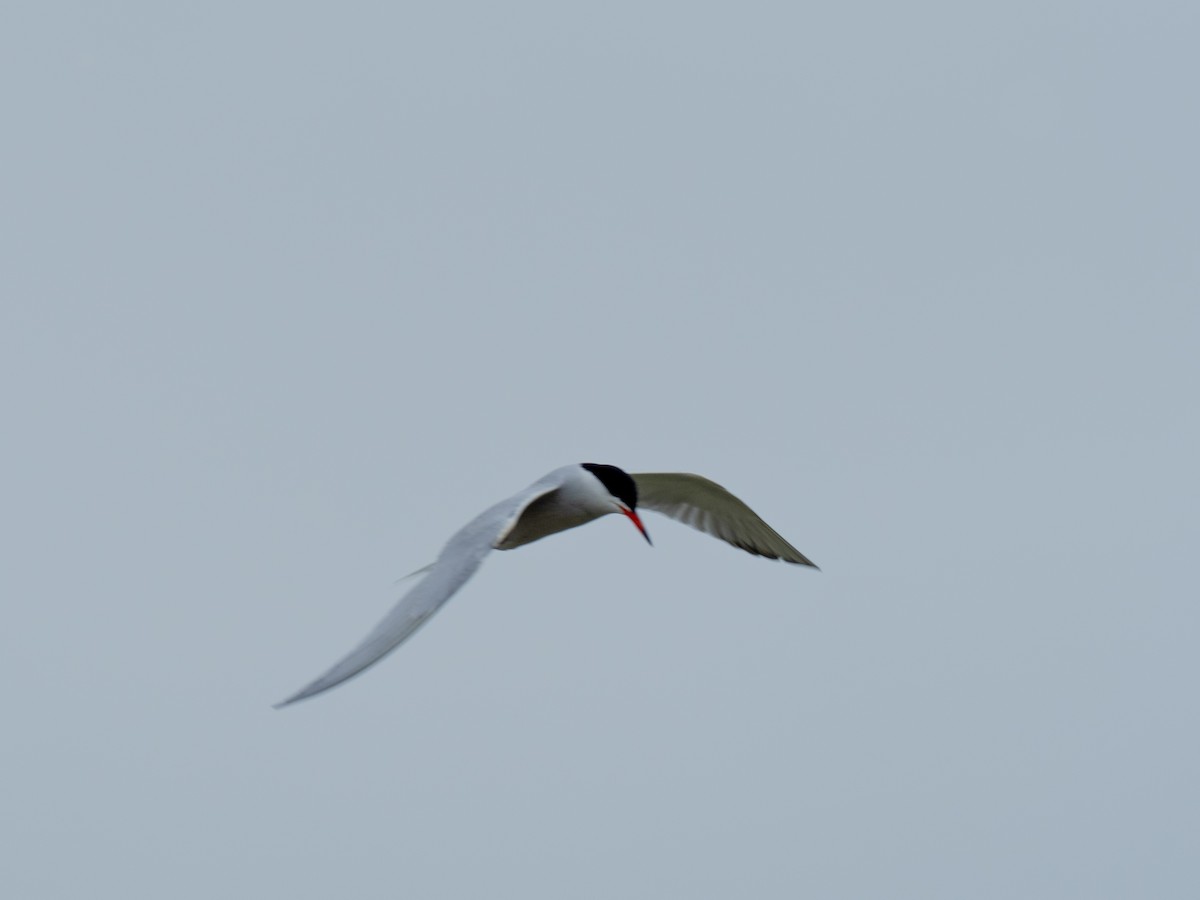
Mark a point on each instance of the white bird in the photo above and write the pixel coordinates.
(565, 498)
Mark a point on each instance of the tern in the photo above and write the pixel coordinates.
(565, 498)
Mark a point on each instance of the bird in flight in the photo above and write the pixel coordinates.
(565, 498)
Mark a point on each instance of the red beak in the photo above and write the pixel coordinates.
(633, 517)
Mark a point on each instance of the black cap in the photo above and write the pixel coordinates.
(618, 482)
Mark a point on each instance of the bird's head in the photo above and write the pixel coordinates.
(622, 491)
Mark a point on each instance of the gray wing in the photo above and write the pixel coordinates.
(458, 561)
(708, 507)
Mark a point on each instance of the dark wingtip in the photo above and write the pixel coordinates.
(803, 560)
(295, 698)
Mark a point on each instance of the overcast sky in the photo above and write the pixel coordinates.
(292, 291)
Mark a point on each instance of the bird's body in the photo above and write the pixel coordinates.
(568, 497)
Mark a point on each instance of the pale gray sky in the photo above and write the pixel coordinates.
(291, 291)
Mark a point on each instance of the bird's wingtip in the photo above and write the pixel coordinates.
(289, 701)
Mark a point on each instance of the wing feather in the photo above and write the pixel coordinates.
(708, 507)
(459, 560)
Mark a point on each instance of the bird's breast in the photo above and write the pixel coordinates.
(555, 512)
